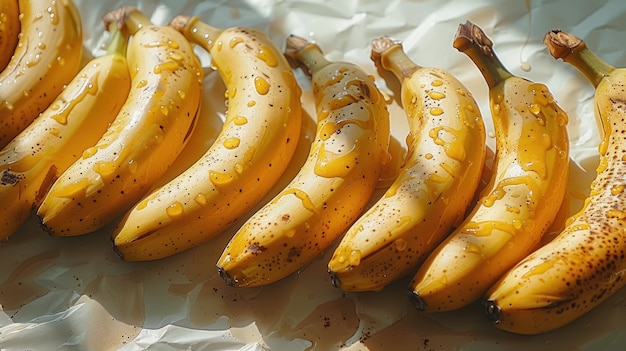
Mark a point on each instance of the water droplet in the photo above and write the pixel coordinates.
(142, 83)
(132, 166)
(181, 94)
(437, 83)
(164, 110)
(251, 103)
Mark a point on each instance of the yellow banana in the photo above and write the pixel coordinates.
(585, 264)
(74, 121)
(146, 136)
(253, 149)
(334, 184)
(48, 55)
(526, 188)
(441, 172)
(9, 30)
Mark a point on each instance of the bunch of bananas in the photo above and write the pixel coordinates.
(460, 241)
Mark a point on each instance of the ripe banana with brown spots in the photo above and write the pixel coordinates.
(333, 186)
(585, 264)
(74, 121)
(9, 30)
(148, 133)
(437, 182)
(257, 141)
(522, 198)
(47, 56)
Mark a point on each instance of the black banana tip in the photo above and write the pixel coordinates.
(416, 300)
(493, 311)
(227, 278)
(334, 279)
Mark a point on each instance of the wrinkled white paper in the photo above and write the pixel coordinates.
(76, 294)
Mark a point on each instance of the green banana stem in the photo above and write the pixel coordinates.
(118, 40)
(301, 52)
(473, 41)
(574, 51)
(389, 56)
(196, 30)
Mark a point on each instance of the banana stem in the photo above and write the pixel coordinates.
(117, 41)
(196, 31)
(127, 17)
(302, 53)
(387, 54)
(574, 51)
(472, 41)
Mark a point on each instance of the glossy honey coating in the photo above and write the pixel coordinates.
(446, 152)
(146, 136)
(522, 198)
(75, 120)
(331, 189)
(9, 30)
(251, 152)
(48, 55)
(585, 264)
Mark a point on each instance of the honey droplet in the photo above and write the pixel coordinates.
(175, 209)
(104, 168)
(436, 111)
(200, 199)
(231, 143)
(261, 85)
(435, 95)
(240, 120)
(266, 54)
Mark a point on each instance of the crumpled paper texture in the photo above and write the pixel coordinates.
(76, 294)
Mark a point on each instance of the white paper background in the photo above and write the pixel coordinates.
(76, 294)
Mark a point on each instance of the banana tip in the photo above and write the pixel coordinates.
(493, 311)
(230, 281)
(417, 300)
(334, 279)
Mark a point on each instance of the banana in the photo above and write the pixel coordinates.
(9, 30)
(585, 264)
(251, 152)
(47, 56)
(332, 187)
(527, 186)
(437, 182)
(148, 133)
(74, 121)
